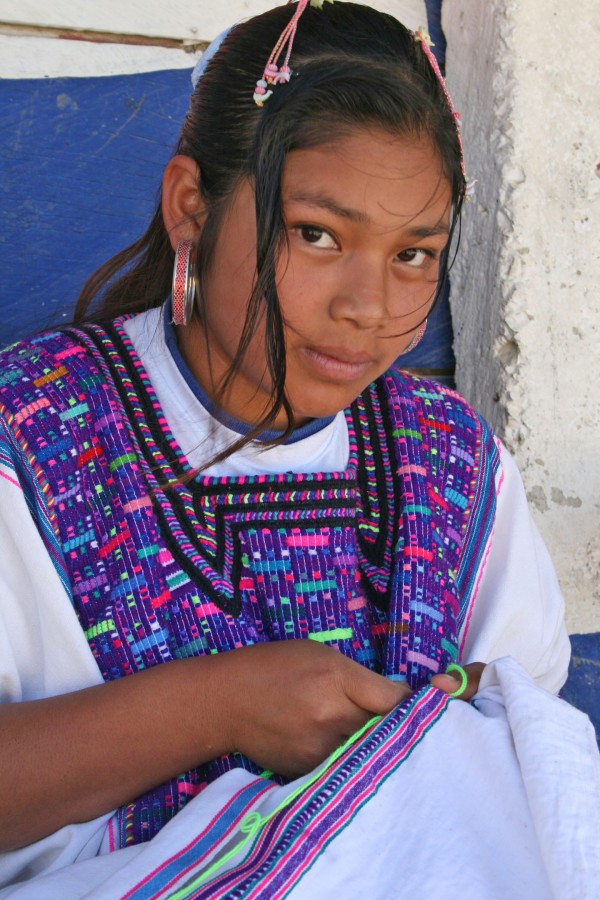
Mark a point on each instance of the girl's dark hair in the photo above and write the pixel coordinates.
(352, 67)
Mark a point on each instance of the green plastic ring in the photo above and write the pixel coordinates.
(464, 679)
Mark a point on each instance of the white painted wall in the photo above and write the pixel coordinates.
(190, 20)
(526, 290)
(44, 37)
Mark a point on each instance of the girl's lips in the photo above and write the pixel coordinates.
(339, 364)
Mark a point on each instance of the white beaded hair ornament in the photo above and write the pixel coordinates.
(273, 73)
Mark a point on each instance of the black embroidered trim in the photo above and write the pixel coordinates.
(377, 553)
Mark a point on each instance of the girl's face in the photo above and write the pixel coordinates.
(367, 219)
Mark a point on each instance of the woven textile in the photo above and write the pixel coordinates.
(379, 561)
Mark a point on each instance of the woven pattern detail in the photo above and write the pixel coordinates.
(365, 560)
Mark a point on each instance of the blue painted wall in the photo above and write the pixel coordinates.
(81, 165)
(583, 684)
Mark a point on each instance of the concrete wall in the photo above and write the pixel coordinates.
(526, 288)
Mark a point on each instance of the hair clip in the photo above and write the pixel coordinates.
(200, 67)
(423, 38)
(273, 73)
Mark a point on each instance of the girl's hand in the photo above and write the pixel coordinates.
(286, 705)
(450, 682)
(292, 703)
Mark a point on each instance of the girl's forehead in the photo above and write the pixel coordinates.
(367, 171)
(378, 149)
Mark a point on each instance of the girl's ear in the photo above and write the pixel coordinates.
(182, 206)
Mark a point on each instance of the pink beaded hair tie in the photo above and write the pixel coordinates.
(423, 38)
(274, 74)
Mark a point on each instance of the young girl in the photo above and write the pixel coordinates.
(217, 457)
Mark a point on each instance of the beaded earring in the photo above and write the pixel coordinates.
(417, 337)
(184, 284)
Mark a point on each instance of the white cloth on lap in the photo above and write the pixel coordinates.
(498, 799)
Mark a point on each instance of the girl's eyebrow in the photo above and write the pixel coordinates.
(426, 231)
(321, 201)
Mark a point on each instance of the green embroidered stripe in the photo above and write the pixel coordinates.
(407, 432)
(336, 634)
(148, 551)
(313, 586)
(100, 628)
(122, 461)
(74, 411)
(450, 648)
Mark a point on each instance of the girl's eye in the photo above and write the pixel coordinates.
(415, 257)
(318, 237)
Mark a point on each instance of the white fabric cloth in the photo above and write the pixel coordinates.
(500, 799)
(201, 437)
(518, 612)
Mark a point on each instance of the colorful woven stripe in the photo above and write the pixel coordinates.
(288, 843)
(365, 560)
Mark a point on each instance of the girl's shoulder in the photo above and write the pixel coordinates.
(51, 383)
(44, 362)
(36, 351)
(433, 401)
(30, 366)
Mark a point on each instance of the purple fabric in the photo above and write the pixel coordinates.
(378, 561)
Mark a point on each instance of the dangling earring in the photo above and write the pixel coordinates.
(184, 284)
(418, 337)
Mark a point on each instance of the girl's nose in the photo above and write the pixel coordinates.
(361, 293)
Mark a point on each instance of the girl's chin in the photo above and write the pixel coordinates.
(326, 410)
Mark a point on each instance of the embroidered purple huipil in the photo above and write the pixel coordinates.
(379, 561)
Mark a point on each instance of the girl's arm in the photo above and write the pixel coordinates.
(73, 748)
(76, 756)
(519, 608)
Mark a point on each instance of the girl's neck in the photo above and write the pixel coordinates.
(241, 400)
(187, 345)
